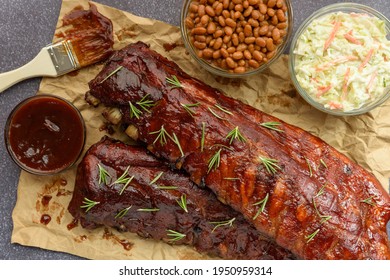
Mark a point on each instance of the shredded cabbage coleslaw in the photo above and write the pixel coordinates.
(343, 60)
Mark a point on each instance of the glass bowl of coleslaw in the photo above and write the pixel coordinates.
(340, 59)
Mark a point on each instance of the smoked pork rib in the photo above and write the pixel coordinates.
(146, 201)
(290, 184)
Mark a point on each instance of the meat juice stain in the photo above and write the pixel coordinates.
(127, 245)
(45, 219)
(168, 47)
(46, 200)
(72, 224)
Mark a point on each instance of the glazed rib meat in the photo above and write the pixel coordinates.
(288, 183)
(142, 195)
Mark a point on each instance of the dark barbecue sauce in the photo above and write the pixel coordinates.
(46, 134)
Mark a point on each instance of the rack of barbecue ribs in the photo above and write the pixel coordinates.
(124, 187)
(291, 185)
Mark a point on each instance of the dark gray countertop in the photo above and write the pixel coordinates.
(28, 25)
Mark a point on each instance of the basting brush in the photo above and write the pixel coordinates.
(88, 42)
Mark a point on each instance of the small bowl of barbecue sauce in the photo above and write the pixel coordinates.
(45, 134)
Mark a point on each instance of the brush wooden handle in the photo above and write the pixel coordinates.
(41, 65)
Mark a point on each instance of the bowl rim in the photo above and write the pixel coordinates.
(221, 72)
(10, 150)
(332, 8)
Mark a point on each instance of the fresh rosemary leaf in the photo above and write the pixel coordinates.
(270, 164)
(203, 136)
(173, 82)
(215, 114)
(272, 126)
(123, 212)
(176, 141)
(127, 182)
(161, 136)
(134, 111)
(155, 179)
(222, 223)
(321, 191)
(146, 103)
(88, 204)
(188, 108)
(309, 166)
(262, 204)
(123, 179)
(148, 210)
(323, 163)
(235, 134)
(368, 201)
(231, 179)
(183, 202)
(103, 175)
(311, 236)
(223, 109)
(214, 161)
(324, 218)
(111, 74)
(168, 187)
(175, 236)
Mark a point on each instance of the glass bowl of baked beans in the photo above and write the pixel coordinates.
(236, 38)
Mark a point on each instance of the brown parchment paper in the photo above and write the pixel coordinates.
(365, 139)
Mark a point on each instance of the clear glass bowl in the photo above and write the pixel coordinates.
(346, 8)
(45, 134)
(223, 72)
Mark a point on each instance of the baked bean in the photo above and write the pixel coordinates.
(218, 8)
(237, 55)
(230, 22)
(237, 35)
(230, 62)
(198, 31)
(260, 42)
(210, 11)
(271, 3)
(211, 28)
(204, 20)
(275, 34)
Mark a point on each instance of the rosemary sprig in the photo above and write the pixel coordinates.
(311, 236)
(223, 109)
(270, 164)
(368, 201)
(324, 218)
(168, 187)
(262, 204)
(111, 74)
(215, 114)
(123, 212)
(146, 103)
(127, 182)
(321, 191)
(183, 202)
(88, 204)
(134, 111)
(203, 136)
(222, 223)
(155, 179)
(148, 209)
(309, 166)
(175, 236)
(231, 179)
(161, 135)
(173, 82)
(215, 160)
(188, 108)
(123, 179)
(103, 175)
(235, 134)
(176, 141)
(323, 163)
(272, 126)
